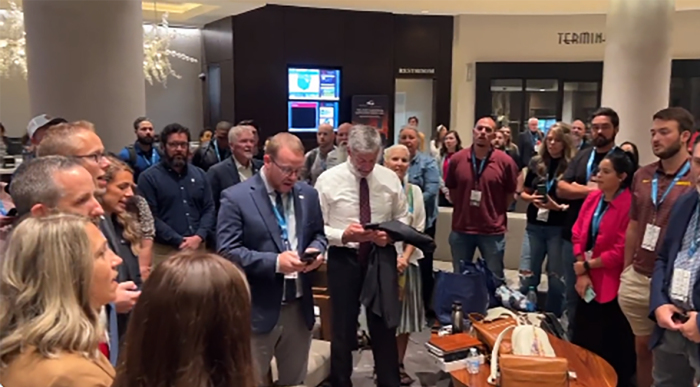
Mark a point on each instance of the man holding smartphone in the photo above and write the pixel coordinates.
(272, 226)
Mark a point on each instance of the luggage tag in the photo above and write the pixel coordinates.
(651, 237)
(475, 198)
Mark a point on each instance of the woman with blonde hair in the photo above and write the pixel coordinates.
(56, 275)
(191, 327)
(397, 158)
(546, 217)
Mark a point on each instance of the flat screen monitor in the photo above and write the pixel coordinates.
(307, 116)
(314, 84)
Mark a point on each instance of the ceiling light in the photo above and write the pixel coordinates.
(424, 12)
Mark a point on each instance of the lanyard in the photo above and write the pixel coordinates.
(216, 149)
(154, 158)
(589, 167)
(598, 216)
(549, 183)
(534, 137)
(282, 222)
(655, 185)
(409, 194)
(694, 243)
(478, 172)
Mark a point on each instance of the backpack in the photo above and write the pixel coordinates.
(133, 157)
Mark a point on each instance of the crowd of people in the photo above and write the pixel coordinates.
(167, 265)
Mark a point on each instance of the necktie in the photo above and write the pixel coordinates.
(365, 218)
(290, 284)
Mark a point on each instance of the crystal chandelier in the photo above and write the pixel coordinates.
(12, 42)
(156, 47)
(157, 53)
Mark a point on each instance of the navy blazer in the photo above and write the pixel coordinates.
(224, 175)
(681, 213)
(248, 234)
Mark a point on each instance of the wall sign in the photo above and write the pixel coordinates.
(581, 38)
(371, 110)
(416, 71)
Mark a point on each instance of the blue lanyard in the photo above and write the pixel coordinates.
(478, 172)
(598, 216)
(154, 157)
(282, 222)
(589, 167)
(216, 149)
(694, 243)
(549, 183)
(535, 137)
(3, 211)
(655, 185)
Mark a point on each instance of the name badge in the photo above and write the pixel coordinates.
(475, 198)
(680, 284)
(542, 214)
(588, 255)
(651, 237)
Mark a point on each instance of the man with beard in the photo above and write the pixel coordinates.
(179, 195)
(239, 167)
(655, 187)
(216, 150)
(482, 184)
(578, 135)
(316, 160)
(142, 154)
(578, 181)
(340, 154)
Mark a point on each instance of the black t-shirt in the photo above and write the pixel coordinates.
(532, 180)
(577, 172)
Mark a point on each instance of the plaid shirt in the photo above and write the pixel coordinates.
(686, 262)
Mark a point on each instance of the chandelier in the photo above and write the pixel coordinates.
(156, 47)
(12, 54)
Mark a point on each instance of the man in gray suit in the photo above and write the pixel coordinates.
(272, 226)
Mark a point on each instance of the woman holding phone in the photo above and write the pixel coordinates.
(545, 217)
(598, 238)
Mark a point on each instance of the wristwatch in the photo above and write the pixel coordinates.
(586, 266)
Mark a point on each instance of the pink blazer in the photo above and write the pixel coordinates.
(609, 244)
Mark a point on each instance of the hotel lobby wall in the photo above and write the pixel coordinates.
(369, 48)
(535, 39)
(180, 102)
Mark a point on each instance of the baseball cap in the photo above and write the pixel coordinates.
(41, 121)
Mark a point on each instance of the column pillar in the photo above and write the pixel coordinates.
(85, 62)
(637, 66)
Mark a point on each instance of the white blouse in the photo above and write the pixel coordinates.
(416, 219)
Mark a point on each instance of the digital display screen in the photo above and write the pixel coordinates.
(314, 84)
(308, 116)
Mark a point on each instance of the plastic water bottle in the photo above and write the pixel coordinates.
(531, 299)
(473, 361)
(504, 294)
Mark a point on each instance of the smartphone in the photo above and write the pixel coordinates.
(542, 191)
(590, 295)
(309, 256)
(371, 226)
(680, 317)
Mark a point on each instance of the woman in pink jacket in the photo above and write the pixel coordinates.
(598, 237)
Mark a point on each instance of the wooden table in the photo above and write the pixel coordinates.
(591, 370)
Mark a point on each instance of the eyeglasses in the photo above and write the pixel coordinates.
(176, 145)
(286, 170)
(96, 157)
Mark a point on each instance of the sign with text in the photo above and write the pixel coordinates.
(581, 38)
(421, 71)
(371, 110)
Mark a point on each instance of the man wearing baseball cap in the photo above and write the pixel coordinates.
(38, 125)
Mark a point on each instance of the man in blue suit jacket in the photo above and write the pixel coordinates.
(675, 293)
(267, 224)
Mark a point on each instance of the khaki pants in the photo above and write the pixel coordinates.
(163, 252)
(634, 301)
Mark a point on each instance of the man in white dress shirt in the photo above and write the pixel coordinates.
(353, 194)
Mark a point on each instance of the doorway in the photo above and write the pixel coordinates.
(415, 98)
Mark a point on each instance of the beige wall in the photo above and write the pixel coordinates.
(180, 102)
(480, 38)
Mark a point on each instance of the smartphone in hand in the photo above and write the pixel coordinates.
(371, 226)
(589, 295)
(542, 191)
(309, 257)
(681, 318)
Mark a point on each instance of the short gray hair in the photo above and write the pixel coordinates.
(236, 132)
(364, 139)
(408, 127)
(34, 182)
(388, 151)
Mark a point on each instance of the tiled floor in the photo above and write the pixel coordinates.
(418, 364)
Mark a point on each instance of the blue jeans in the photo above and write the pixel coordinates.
(541, 241)
(567, 254)
(491, 248)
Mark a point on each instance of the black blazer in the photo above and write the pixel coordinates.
(527, 150)
(681, 214)
(380, 290)
(224, 175)
(129, 269)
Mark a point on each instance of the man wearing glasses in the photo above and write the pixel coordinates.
(271, 225)
(179, 196)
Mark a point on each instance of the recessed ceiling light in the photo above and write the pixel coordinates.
(424, 11)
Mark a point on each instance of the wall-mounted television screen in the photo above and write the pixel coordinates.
(307, 116)
(314, 84)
